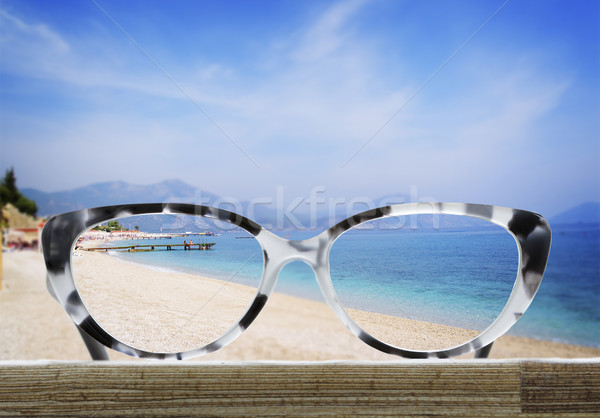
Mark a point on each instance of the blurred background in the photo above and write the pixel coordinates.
(300, 113)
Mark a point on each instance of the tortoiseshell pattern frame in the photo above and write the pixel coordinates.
(530, 231)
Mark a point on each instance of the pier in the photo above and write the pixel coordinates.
(203, 246)
(145, 235)
(169, 236)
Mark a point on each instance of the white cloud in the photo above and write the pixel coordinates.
(31, 48)
(17, 31)
(326, 35)
(39, 51)
(324, 93)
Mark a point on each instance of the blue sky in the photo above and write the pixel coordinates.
(364, 98)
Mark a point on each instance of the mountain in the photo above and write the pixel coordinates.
(588, 212)
(114, 193)
(294, 217)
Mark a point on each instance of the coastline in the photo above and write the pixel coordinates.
(34, 326)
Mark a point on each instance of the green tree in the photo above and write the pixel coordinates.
(114, 225)
(8, 187)
(10, 194)
(109, 226)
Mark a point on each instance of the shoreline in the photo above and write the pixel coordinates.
(34, 326)
(142, 295)
(368, 316)
(293, 286)
(410, 334)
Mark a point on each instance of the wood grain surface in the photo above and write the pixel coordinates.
(507, 387)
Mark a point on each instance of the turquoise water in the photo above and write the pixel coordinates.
(567, 306)
(460, 278)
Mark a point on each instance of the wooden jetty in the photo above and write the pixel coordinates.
(154, 247)
(169, 236)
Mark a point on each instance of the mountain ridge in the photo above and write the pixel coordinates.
(175, 190)
(587, 212)
(113, 193)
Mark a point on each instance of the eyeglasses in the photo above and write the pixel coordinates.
(175, 281)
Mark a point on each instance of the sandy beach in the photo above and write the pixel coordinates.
(34, 326)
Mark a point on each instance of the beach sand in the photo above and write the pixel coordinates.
(33, 326)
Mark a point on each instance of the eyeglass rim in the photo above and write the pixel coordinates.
(61, 232)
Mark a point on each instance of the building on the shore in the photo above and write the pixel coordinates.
(20, 231)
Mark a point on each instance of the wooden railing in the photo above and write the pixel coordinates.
(486, 387)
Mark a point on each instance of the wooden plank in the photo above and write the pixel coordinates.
(330, 388)
(561, 387)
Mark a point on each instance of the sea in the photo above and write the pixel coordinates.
(454, 276)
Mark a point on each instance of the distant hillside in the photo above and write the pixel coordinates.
(114, 193)
(118, 192)
(588, 212)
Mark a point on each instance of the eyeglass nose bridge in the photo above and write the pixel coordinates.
(314, 252)
(279, 252)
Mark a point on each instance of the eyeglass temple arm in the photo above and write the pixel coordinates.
(96, 350)
(484, 352)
